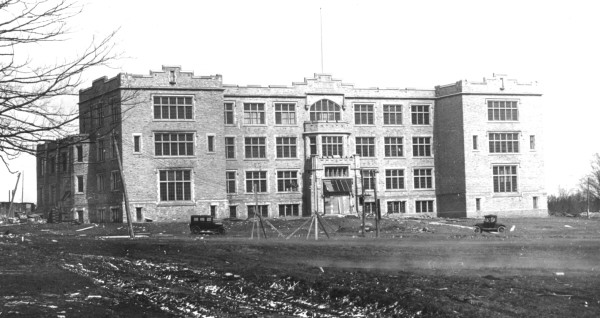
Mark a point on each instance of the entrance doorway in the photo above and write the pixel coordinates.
(337, 196)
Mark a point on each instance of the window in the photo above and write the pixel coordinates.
(138, 214)
(287, 181)
(256, 181)
(40, 196)
(174, 144)
(233, 211)
(229, 114)
(475, 145)
(100, 182)
(100, 115)
(231, 181)
(213, 211)
(255, 147)
(285, 114)
(114, 109)
(369, 207)
(210, 143)
(42, 170)
(535, 202)
(333, 172)
(115, 178)
(424, 206)
(500, 110)
(52, 198)
(532, 142)
(230, 147)
(363, 114)
(392, 114)
(137, 145)
(175, 185)
(100, 150)
(504, 142)
(100, 214)
(365, 146)
(422, 178)
(394, 179)
(286, 147)
(420, 114)
(313, 145)
(421, 146)
(172, 107)
(63, 162)
(80, 184)
(286, 210)
(79, 150)
(396, 207)
(325, 110)
(116, 216)
(505, 178)
(113, 152)
(254, 114)
(393, 146)
(477, 204)
(332, 146)
(368, 179)
(52, 164)
(262, 210)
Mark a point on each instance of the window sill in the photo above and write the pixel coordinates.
(256, 159)
(506, 195)
(286, 125)
(176, 203)
(287, 159)
(173, 120)
(403, 157)
(289, 192)
(174, 157)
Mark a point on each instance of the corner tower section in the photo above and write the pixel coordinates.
(489, 149)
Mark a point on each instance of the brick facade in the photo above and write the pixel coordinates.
(191, 145)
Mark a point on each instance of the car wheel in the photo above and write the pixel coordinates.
(195, 229)
(477, 229)
(501, 229)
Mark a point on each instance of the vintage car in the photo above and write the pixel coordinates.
(489, 225)
(205, 224)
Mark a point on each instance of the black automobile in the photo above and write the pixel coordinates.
(489, 225)
(205, 224)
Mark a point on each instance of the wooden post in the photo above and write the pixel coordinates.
(129, 224)
(374, 175)
(12, 197)
(362, 181)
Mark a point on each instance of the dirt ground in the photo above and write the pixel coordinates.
(416, 268)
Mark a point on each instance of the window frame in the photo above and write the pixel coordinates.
(189, 145)
(419, 109)
(336, 146)
(280, 112)
(513, 111)
(502, 145)
(137, 144)
(331, 111)
(388, 146)
(284, 181)
(187, 109)
(418, 147)
(116, 183)
(231, 183)
(261, 148)
(510, 179)
(211, 146)
(290, 147)
(295, 207)
(367, 179)
(80, 188)
(399, 178)
(388, 114)
(401, 204)
(368, 147)
(264, 210)
(423, 181)
(227, 112)
(187, 195)
(230, 148)
(261, 114)
(428, 204)
(263, 181)
(364, 114)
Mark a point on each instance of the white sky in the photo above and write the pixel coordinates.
(416, 44)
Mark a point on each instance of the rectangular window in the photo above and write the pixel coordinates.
(393, 146)
(332, 146)
(63, 162)
(101, 151)
(368, 179)
(535, 202)
(313, 145)
(396, 207)
(532, 142)
(52, 163)
(424, 206)
(173, 107)
(230, 147)
(137, 143)
(421, 146)
(116, 216)
(505, 178)
(115, 178)
(100, 115)
(363, 114)
(285, 114)
(392, 114)
(233, 211)
(213, 211)
(256, 181)
(369, 207)
(262, 210)
(229, 114)
(113, 152)
(287, 181)
(254, 114)
(114, 109)
(501, 110)
(475, 145)
(255, 147)
(43, 166)
(52, 198)
(286, 210)
(79, 150)
(477, 204)
(504, 142)
(138, 214)
(394, 179)
(365, 146)
(173, 144)
(286, 147)
(423, 178)
(175, 185)
(420, 114)
(334, 172)
(80, 187)
(210, 143)
(231, 181)
(100, 182)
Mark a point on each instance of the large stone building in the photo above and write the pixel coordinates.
(192, 145)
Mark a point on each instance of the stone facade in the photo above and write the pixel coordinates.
(191, 145)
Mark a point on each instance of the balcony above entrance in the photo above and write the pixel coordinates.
(326, 127)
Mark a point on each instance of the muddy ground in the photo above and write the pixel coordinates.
(417, 268)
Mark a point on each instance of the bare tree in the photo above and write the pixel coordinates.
(31, 95)
(592, 179)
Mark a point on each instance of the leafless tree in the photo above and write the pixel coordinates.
(32, 95)
(593, 177)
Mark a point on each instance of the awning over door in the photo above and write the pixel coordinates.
(338, 186)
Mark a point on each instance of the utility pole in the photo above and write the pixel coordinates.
(12, 198)
(374, 175)
(362, 182)
(588, 197)
(129, 224)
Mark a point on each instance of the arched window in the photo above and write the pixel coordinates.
(325, 110)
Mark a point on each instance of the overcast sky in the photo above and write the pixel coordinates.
(416, 44)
